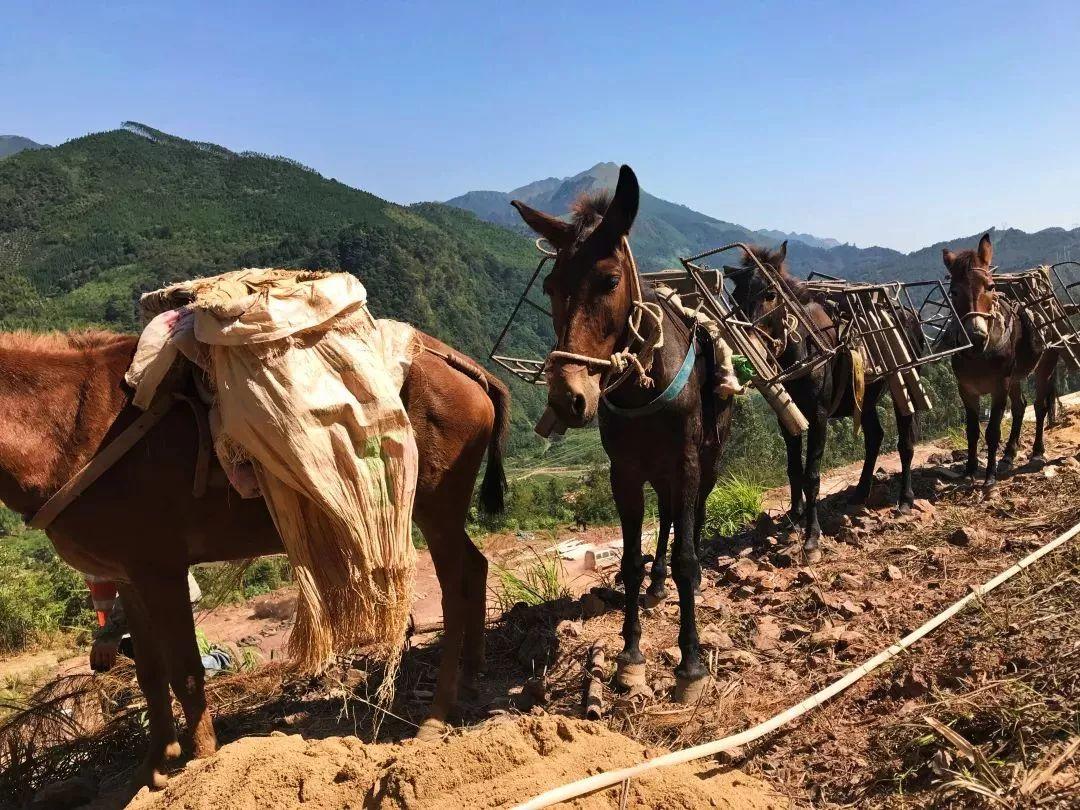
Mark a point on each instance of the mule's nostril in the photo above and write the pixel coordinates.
(577, 404)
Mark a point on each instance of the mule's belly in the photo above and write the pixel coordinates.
(84, 561)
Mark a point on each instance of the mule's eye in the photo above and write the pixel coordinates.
(609, 283)
(770, 295)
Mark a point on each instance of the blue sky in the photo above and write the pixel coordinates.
(893, 124)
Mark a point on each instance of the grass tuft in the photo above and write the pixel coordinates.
(734, 504)
(535, 583)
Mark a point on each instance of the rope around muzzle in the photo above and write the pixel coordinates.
(626, 361)
(996, 323)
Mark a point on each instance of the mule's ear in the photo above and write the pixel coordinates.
(986, 251)
(621, 211)
(553, 229)
(948, 257)
(782, 252)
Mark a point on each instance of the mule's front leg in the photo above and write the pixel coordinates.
(971, 420)
(657, 590)
(815, 449)
(1019, 405)
(794, 447)
(152, 674)
(168, 605)
(686, 570)
(993, 437)
(629, 496)
(1045, 396)
(873, 434)
(905, 444)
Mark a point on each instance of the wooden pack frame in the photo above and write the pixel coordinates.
(870, 320)
(1048, 300)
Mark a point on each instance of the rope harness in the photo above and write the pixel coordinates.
(627, 360)
(790, 334)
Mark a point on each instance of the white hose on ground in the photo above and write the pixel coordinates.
(603, 780)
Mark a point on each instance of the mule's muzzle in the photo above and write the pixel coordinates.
(978, 331)
(574, 395)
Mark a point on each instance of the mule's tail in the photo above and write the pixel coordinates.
(493, 487)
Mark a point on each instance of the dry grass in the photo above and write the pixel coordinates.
(97, 722)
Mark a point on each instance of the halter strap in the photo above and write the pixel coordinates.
(101, 462)
(626, 360)
(674, 388)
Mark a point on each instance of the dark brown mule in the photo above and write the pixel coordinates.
(823, 394)
(671, 443)
(140, 525)
(1003, 353)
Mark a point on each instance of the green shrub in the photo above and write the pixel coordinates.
(41, 597)
(734, 504)
(593, 501)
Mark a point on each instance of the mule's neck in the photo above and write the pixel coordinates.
(666, 360)
(56, 405)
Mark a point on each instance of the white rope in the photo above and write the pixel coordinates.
(604, 780)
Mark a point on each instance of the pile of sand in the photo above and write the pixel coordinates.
(502, 763)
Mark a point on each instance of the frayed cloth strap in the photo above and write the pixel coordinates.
(100, 464)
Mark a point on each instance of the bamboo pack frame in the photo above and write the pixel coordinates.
(624, 775)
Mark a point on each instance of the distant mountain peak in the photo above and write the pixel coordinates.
(668, 227)
(13, 144)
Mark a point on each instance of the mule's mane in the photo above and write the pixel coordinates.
(60, 342)
(774, 258)
(587, 210)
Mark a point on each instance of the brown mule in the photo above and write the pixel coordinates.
(63, 398)
(1003, 354)
(662, 425)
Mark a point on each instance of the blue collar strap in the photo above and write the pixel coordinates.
(675, 387)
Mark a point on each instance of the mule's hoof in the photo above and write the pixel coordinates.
(687, 690)
(1005, 465)
(147, 775)
(1038, 462)
(654, 597)
(856, 506)
(628, 676)
(903, 508)
(431, 730)
(811, 554)
(174, 751)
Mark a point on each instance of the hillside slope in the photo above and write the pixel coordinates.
(87, 226)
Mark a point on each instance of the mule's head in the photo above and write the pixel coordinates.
(590, 291)
(971, 288)
(756, 297)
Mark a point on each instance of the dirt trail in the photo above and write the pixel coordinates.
(502, 762)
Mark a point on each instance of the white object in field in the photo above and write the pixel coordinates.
(602, 558)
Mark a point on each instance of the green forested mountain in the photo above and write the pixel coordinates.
(87, 226)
